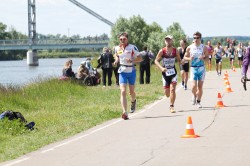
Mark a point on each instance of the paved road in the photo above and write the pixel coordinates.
(152, 135)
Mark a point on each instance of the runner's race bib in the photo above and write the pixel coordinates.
(170, 72)
(125, 69)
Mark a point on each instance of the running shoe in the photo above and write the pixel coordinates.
(199, 105)
(185, 87)
(172, 109)
(133, 106)
(182, 84)
(125, 116)
(193, 100)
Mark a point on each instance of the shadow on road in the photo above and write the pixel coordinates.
(152, 117)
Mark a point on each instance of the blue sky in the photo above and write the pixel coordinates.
(211, 18)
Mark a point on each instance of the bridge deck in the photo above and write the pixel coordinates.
(51, 44)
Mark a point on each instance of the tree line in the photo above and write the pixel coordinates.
(140, 33)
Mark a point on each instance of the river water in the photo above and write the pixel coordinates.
(19, 73)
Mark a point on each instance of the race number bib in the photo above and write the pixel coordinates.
(125, 69)
(170, 72)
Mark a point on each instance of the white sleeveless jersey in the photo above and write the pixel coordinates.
(218, 54)
(196, 52)
(240, 52)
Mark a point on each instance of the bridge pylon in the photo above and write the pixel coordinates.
(32, 59)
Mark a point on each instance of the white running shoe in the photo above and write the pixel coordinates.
(172, 110)
(199, 105)
(193, 100)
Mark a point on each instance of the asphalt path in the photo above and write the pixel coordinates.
(152, 136)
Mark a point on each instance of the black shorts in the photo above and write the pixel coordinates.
(240, 58)
(167, 80)
(185, 67)
(231, 59)
(218, 60)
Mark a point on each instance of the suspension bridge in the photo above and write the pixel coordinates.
(32, 44)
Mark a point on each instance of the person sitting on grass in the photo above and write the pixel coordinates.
(83, 71)
(67, 69)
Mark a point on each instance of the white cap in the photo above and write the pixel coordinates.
(169, 37)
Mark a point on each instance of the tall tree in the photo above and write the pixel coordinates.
(156, 41)
(135, 26)
(177, 32)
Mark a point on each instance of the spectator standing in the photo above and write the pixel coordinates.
(145, 65)
(105, 61)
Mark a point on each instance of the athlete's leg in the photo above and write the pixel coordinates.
(132, 92)
(209, 64)
(194, 88)
(172, 93)
(220, 64)
(200, 90)
(216, 64)
(185, 78)
(167, 91)
(182, 77)
(123, 97)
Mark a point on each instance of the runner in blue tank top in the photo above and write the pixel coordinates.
(196, 53)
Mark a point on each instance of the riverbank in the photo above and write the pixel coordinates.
(62, 109)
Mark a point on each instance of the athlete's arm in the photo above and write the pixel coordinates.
(157, 61)
(223, 51)
(137, 54)
(205, 51)
(178, 57)
(138, 59)
(187, 55)
(116, 58)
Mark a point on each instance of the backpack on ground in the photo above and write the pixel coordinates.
(12, 115)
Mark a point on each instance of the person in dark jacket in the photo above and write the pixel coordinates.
(145, 65)
(67, 69)
(105, 61)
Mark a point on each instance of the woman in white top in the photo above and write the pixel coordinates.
(240, 53)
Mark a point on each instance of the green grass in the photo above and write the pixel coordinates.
(61, 109)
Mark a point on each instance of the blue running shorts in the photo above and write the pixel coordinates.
(198, 73)
(125, 78)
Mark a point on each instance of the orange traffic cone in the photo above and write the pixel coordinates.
(189, 129)
(225, 77)
(226, 74)
(226, 82)
(219, 102)
(228, 88)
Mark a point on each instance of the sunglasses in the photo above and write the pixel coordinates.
(196, 37)
(123, 39)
